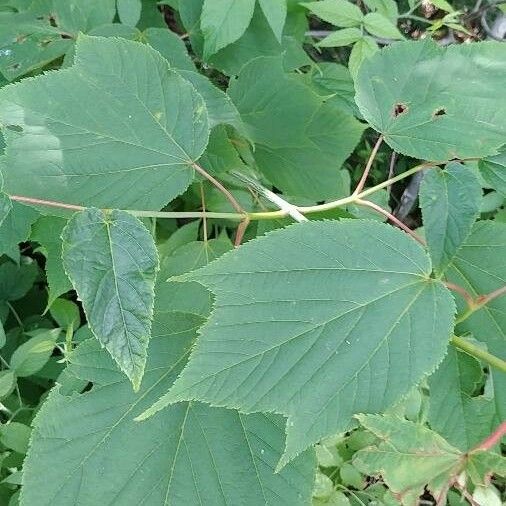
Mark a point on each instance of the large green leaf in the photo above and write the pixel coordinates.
(425, 99)
(275, 12)
(463, 418)
(189, 454)
(47, 232)
(345, 309)
(450, 200)
(300, 143)
(337, 12)
(118, 129)
(223, 22)
(112, 262)
(480, 267)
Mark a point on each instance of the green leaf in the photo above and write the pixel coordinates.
(223, 22)
(479, 267)
(17, 280)
(170, 46)
(5, 207)
(493, 170)
(130, 133)
(463, 418)
(429, 114)
(15, 229)
(340, 38)
(65, 313)
(408, 457)
(112, 262)
(299, 309)
(33, 355)
(362, 50)
(443, 5)
(275, 11)
(301, 142)
(129, 11)
(387, 8)
(47, 232)
(337, 12)
(379, 25)
(15, 436)
(450, 200)
(189, 454)
(7, 382)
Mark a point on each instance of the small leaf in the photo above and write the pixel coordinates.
(342, 37)
(387, 8)
(361, 51)
(450, 200)
(379, 25)
(7, 382)
(129, 11)
(17, 280)
(275, 12)
(409, 456)
(345, 315)
(493, 170)
(112, 262)
(443, 5)
(15, 436)
(65, 313)
(431, 114)
(33, 355)
(337, 12)
(223, 22)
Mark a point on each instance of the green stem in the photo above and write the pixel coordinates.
(479, 353)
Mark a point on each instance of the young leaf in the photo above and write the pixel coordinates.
(33, 355)
(65, 313)
(377, 24)
(423, 98)
(143, 123)
(479, 267)
(275, 12)
(129, 11)
(456, 413)
(112, 262)
(301, 142)
(47, 232)
(189, 454)
(408, 457)
(337, 12)
(223, 22)
(387, 8)
(342, 37)
(493, 170)
(443, 5)
(363, 49)
(300, 309)
(450, 200)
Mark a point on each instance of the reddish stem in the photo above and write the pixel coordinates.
(493, 439)
(368, 166)
(485, 299)
(392, 218)
(241, 230)
(463, 292)
(50, 203)
(220, 187)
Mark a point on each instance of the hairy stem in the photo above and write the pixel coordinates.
(479, 353)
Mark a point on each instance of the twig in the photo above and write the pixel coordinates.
(392, 218)
(48, 203)
(368, 166)
(391, 169)
(220, 187)
(409, 196)
(479, 353)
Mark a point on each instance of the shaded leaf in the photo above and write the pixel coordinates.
(493, 170)
(450, 200)
(16, 228)
(112, 263)
(17, 280)
(131, 132)
(363, 329)
(424, 99)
